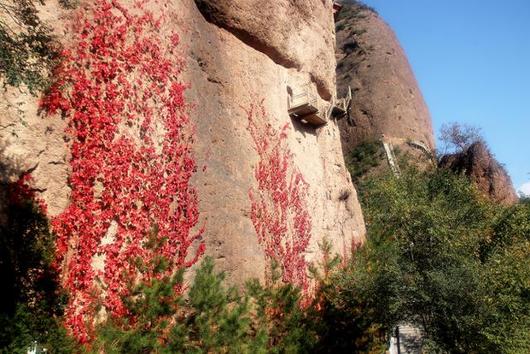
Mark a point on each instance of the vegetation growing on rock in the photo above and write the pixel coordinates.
(466, 152)
(438, 255)
(279, 210)
(120, 92)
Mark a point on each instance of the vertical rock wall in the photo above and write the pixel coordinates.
(30, 143)
(239, 55)
(244, 53)
(386, 97)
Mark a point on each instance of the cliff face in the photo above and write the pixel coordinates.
(200, 119)
(386, 98)
(239, 61)
(484, 170)
(295, 34)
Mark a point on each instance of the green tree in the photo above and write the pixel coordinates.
(441, 257)
(32, 301)
(210, 318)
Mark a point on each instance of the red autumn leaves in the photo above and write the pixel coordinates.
(131, 140)
(131, 159)
(278, 205)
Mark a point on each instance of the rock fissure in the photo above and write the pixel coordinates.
(211, 14)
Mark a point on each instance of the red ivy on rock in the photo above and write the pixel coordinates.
(131, 158)
(20, 192)
(278, 205)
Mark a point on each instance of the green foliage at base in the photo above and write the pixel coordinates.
(438, 256)
(34, 323)
(441, 257)
(31, 300)
(344, 312)
(211, 318)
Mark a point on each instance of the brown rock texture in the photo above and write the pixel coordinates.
(484, 170)
(292, 33)
(386, 97)
(238, 54)
(31, 143)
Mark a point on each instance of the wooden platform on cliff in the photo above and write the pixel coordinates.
(303, 104)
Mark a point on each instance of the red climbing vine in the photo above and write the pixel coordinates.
(131, 161)
(21, 191)
(278, 206)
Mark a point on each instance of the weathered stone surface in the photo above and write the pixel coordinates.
(223, 86)
(292, 33)
(32, 143)
(386, 98)
(29, 142)
(484, 170)
(227, 72)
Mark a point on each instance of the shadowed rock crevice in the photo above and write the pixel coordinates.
(213, 14)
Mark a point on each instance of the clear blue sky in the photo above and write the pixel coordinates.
(472, 61)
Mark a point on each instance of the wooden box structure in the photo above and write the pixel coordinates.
(303, 103)
(337, 6)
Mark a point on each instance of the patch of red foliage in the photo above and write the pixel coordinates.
(131, 161)
(278, 205)
(20, 192)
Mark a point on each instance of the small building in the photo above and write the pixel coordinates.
(337, 6)
(304, 103)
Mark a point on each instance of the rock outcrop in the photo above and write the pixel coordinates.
(240, 59)
(386, 97)
(295, 34)
(254, 163)
(484, 170)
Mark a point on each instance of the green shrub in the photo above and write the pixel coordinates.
(364, 158)
(32, 302)
(210, 318)
(346, 313)
(443, 258)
